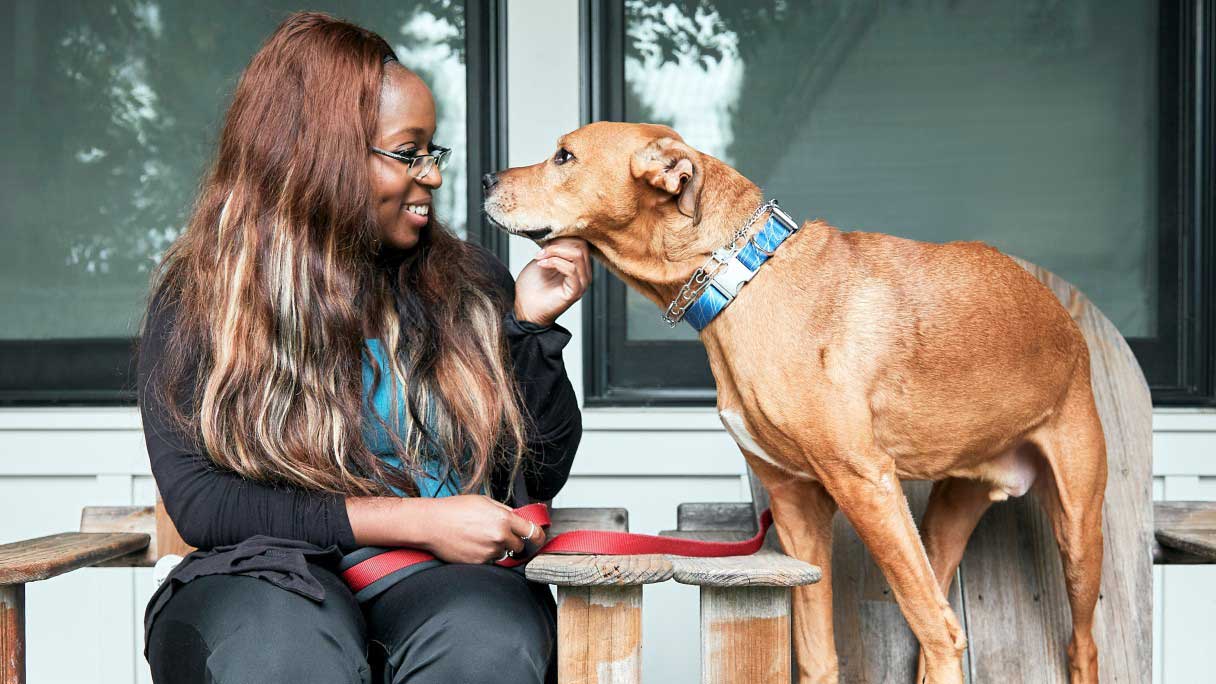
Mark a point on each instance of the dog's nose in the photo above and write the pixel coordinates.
(489, 180)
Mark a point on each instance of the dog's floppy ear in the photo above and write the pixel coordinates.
(674, 168)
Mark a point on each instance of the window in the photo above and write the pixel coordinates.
(1076, 135)
(111, 111)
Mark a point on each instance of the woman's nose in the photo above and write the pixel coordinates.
(433, 177)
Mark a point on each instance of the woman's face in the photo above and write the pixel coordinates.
(405, 125)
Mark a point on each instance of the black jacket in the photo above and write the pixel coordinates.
(212, 507)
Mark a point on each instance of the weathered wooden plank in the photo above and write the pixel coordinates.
(765, 568)
(168, 541)
(586, 571)
(745, 635)
(12, 634)
(44, 557)
(1019, 622)
(710, 535)
(137, 519)
(566, 519)
(734, 515)
(599, 634)
(1186, 530)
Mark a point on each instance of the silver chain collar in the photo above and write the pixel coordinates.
(706, 272)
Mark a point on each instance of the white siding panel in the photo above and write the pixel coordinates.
(54, 462)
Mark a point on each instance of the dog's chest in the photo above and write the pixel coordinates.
(737, 427)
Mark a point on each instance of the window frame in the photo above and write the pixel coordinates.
(1181, 367)
(102, 371)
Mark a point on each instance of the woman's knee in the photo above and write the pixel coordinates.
(306, 657)
(230, 630)
(483, 624)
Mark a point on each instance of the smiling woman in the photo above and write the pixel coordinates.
(324, 367)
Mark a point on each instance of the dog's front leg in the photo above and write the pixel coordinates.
(864, 484)
(802, 513)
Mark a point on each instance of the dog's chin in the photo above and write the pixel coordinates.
(537, 234)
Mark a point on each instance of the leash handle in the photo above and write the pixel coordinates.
(596, 542)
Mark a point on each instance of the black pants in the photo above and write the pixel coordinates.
(449, 624)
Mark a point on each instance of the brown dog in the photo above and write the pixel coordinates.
(852, 361)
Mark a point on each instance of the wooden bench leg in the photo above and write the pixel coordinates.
(12, 634)
(745, 634)
(599, 634)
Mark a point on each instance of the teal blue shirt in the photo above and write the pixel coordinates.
(377, 438)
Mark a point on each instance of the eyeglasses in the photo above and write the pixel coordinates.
(419, 165)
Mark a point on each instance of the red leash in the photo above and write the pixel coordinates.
(367, 571)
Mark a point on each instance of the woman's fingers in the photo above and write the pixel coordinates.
(564, 267)
(577, 279)
(522, 528)
(574, 250)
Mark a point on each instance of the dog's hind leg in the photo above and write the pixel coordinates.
(802, 513)
(1071, 491)
(955, 507)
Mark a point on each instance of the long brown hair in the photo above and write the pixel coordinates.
(280, 271)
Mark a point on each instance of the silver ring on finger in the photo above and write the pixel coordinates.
(505, 555)
(531, 531)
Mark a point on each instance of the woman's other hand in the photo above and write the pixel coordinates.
(477, 529)
(555, 278)
(469, 528)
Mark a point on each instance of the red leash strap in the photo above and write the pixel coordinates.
(606, 542)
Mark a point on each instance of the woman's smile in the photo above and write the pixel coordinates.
(417, 214)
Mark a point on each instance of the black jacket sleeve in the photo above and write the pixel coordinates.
(548, 396)
(215, 507)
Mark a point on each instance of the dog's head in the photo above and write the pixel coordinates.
(636, 192)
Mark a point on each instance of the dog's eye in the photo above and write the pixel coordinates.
(563, 155)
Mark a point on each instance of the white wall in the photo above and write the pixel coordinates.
(55, 461)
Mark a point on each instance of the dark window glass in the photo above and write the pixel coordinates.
(1048, 130)
(111, 110)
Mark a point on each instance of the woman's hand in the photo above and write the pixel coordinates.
(476, 529)
(554, 279)
(458, 529)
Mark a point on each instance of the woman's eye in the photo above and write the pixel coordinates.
(563, 155)
(408, 152)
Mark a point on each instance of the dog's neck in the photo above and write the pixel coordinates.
(676, 246)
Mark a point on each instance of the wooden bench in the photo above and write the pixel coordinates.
(599, 597)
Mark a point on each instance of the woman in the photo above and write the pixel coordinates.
(324, 367)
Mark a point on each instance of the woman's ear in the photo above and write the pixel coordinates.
(673, 168)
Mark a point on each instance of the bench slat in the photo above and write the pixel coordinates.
(137, 519)
(45, 557)
(765, 568)
(1186, 530)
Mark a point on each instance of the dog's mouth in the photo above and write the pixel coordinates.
(535, 233)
